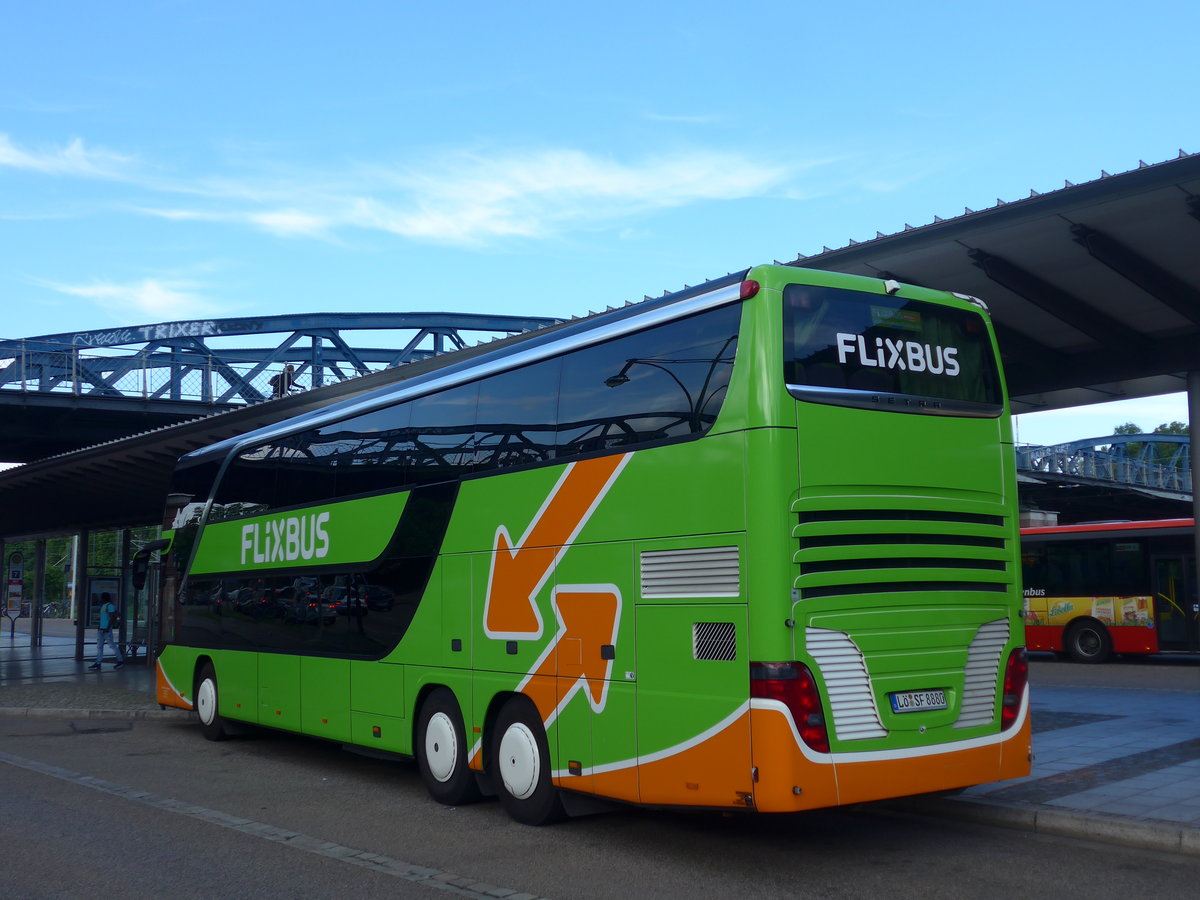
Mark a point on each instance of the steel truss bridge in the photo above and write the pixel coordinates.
(99, 385)
(1156, 463)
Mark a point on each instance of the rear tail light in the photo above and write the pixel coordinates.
(747, 289)
(1016, 677)
(792, 684)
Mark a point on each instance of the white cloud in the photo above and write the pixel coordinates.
(472, 198)
(151, 298)
(284, 222)
(74, 159)
(457, 198)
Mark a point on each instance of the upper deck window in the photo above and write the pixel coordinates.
(870, 351)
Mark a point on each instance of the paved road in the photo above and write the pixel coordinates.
(280, 816)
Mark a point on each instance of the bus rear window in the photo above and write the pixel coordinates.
(875, 352)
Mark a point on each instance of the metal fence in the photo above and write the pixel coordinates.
(211, 379)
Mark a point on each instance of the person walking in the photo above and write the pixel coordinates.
(108, 622)
(282, 384)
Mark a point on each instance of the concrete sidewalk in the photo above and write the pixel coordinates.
(1113, 764)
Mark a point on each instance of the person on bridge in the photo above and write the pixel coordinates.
(108, 622)
(282, 383)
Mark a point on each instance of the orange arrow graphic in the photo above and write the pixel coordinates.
(588, 616)
(587, 622)
(519, 570)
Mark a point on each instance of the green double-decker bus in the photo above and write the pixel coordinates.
(752, 545)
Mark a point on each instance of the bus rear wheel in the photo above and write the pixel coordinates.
(442, 751)
(1088, 641)
(520, 765)
(207, 697)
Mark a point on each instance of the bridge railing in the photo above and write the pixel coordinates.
(1092, 464)
(166, 375)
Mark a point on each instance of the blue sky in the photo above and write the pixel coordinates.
(177, 160)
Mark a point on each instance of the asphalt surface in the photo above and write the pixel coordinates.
(1113, 763)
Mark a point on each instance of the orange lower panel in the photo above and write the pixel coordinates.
(164, 694)
(621, 784)
(788, 781)
(715, 772)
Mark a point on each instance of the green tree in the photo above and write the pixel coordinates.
(1162, 452)
(1172, 428)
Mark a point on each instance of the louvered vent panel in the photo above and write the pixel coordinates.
(714, 641)
(699, 572)
(867, 551)
(981, 674)
(851, 698)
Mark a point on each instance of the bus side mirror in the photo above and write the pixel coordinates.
(141, 561)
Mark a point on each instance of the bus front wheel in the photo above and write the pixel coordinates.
(520, 765)
(211, 723)
(442, 751)
(1088, 641)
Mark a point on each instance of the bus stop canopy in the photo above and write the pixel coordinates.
(1094, 289)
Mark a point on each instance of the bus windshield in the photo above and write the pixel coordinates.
(878, 352)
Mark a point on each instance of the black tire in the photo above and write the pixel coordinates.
(441, 749)
(520, 765)
(1088, 641)
(208, 705)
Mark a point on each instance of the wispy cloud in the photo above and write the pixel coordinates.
(151, 298)
(73, 159)
(466, 198)
(469, 198)
(536, 195)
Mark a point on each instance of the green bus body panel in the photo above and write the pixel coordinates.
(237, 678)
(326, 697)
(279, 690)
(681, 695)
(747, 490)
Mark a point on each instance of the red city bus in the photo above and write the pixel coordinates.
(1097, 589)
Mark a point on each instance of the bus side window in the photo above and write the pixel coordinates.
(371, 453)
(443, 435)
(517, 416)
(667, 382)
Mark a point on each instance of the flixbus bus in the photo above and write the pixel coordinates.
(751, 545)
(1095, 589)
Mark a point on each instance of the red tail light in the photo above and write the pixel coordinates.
(748, 289)
(1016, 677)
(792, 684)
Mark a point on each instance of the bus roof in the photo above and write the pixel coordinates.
(1094, 527)
(436, 373)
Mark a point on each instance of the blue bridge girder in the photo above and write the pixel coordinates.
(211, 361)
(1155, 462)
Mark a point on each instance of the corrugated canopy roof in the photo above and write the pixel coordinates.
(1094, 288)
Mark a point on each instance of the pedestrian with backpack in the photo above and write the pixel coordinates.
(108, 622)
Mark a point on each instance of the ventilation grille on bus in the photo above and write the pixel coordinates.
(881, 551)
(982, 671)
(714, 641)
(698, 572)
(847, 683)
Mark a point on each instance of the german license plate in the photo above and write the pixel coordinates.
(917, 701)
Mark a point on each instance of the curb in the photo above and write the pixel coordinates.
(1098, 827)
(18, 712)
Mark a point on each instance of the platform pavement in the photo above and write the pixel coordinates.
(1112, 764)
